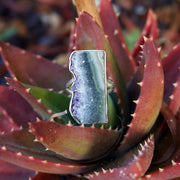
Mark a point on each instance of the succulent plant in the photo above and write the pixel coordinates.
(140, 139)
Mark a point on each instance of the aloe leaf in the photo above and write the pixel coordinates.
(149, 102)
(60, 103)
(166, 136)
(9, 171)
(90, 7)
(165, 148)
(176, 154)
(71, 47)
(150, 30)
(86, 144)
(7, 123)
(46, 102)
(113, 31)
(37, 105)
(174, 104)
(136, 164)
(169, 172)
(133, 86)
(113, 120)
(23, 65)
(45, 176)
(19, 147)
(170, 120)
(90, 36)
(57, 102)
(171, 64)
(16, 111)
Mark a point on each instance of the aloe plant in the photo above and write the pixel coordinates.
(140, 139)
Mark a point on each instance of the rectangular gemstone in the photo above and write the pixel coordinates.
(89, 89)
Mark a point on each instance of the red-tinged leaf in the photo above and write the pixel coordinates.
(176, 154)
(16, 176)
(6, 167)
(165, 148)
(171, 65)
(19, 148)
(43, 176)
(75, 142)
(90, 36)
(135, 165)
(9, 171)
(166, 136)
(149, 102)
(90, 7)
(150, 30)
(113, 31)
(32, 69)
(170, 172)
(174, 104)
(37, 105)
(75, 178)
(16, 111)
(71, 42)
(133, 87)
(170, 120)
(6, 123)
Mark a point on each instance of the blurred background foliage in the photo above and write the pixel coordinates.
(44, 26)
